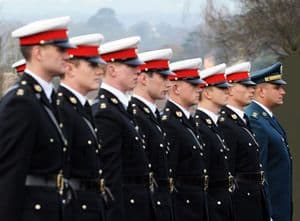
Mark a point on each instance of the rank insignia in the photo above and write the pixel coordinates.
(254, 114)
(20, 92)
(234, 116)
(102, 105)
(208, 121)
(222, 119)
(37, 88)
(179, 113)
(114, 100)
(73, 100)
(147, 110)
(164, 117)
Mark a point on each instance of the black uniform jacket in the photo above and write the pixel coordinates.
(30, 144)
(186, 159)
(157, 149)
(125, 162)
(84, 157)
(249, 200)
(219, 197)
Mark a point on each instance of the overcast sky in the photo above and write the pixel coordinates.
(177, 11)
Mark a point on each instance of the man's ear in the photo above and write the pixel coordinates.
(111, 69)
(143, 78)
(36, 52)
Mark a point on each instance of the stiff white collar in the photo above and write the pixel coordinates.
(80, 97)
(119, 94)
(211, 114)
(239, 112)
(264, 107)
(185, 111)
(152, 106)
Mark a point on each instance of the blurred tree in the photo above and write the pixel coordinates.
(106, 21)
(255, 27)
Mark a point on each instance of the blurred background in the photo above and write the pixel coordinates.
(230, 31)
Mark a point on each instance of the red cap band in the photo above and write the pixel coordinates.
(187, 73)
(216, 78)
(84, 51)
(44, 36)
(238, 76)
(155, 64)
(123, 54)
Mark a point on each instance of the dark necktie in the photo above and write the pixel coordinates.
(54, 105)
(157, 115)
(246, 118)
(88, 110)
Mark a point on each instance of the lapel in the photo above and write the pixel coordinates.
(74, 101)
(268, 118)
(207, 120)
(233, 116)
(111, 98)
(37, 89)
(177, 112)
(145, 108)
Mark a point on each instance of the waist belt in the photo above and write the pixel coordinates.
(201, 181)
(74, 183)
(256, 178)
(228, 184)
(139, 180)
(44, 181)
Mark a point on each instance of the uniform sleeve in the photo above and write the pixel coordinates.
(262, 139)
(17, 137)
(110, 132)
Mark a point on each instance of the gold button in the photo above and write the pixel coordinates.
(64, 149)
(188, 202)
(132, 201)
(158, 203)
(219, 202)
(51, 140)
(89, 142)
(84, 207)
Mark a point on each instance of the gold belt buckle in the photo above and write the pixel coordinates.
(262, 177)
(231, 185)
(60, 182)
(206, 182)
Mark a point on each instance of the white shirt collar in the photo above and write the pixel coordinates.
(79, 96)
(152, 106)
(47, 86)
(185, 111)
(211, 114)
(264, 107)
(239, 112)
(119, 94)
